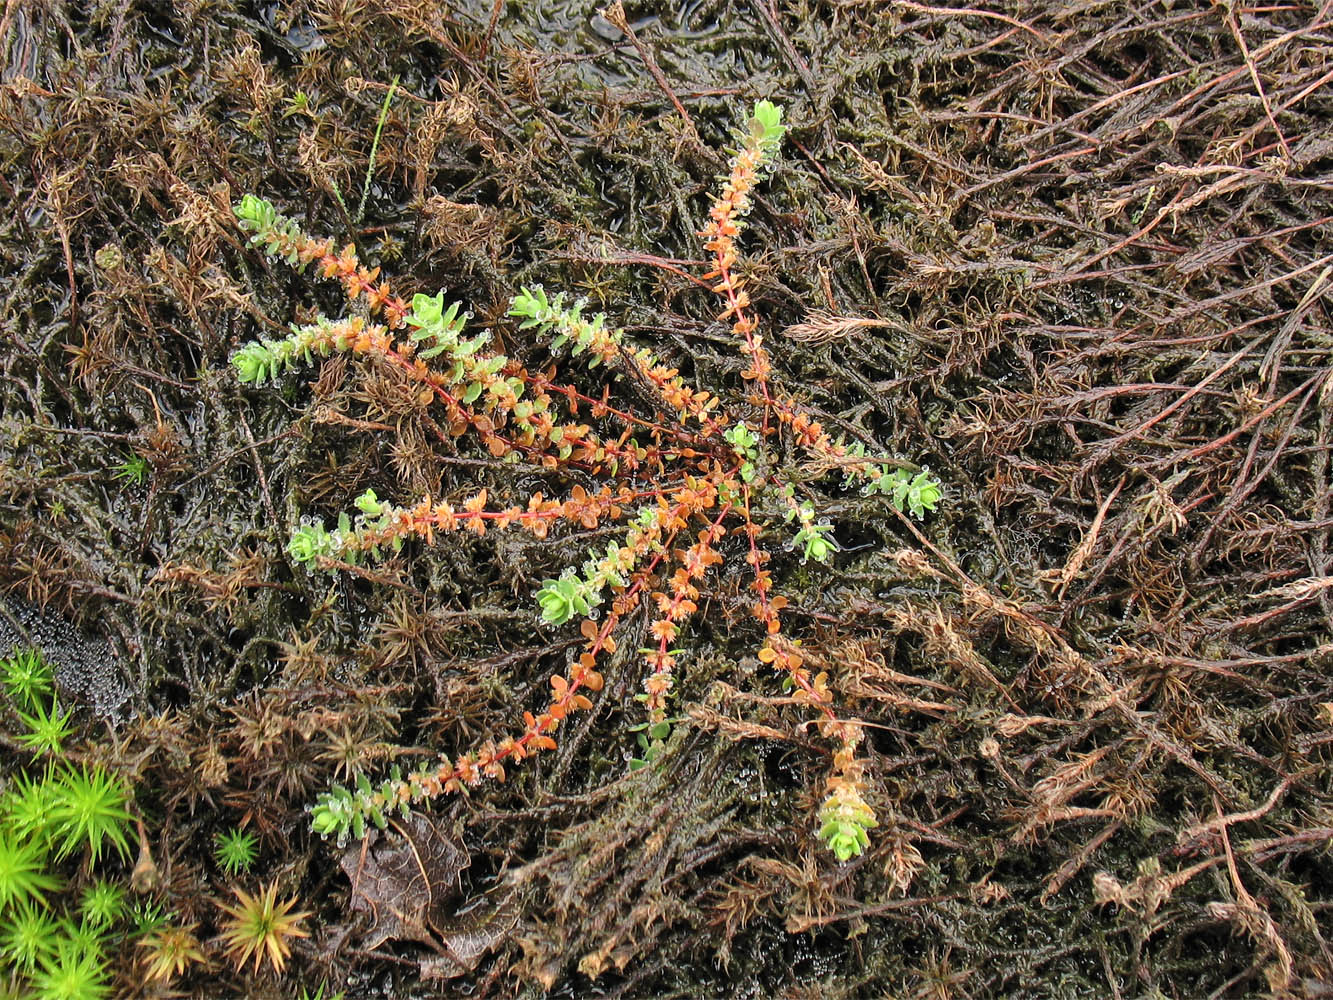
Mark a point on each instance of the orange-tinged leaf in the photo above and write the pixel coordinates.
(664, 630)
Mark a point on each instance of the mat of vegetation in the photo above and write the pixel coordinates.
(1073, 258)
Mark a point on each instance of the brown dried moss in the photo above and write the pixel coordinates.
(1094, 244)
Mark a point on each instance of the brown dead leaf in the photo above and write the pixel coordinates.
(404, 882)
(407, 882)
(483, 924)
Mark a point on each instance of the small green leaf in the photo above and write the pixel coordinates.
(426, 309)
(766, 126)
(369, 504)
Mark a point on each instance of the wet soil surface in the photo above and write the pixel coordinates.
(1073, 258)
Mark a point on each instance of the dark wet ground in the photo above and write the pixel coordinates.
(1095, 242)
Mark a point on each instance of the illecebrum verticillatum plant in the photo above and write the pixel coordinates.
(714, 473)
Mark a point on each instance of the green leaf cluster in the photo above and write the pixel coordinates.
(562, 599)
(26, 677)
(740, 437)
(747, 444)
(575, 594)
(255, 214)
(28, 682)
(263, 361)
(843, 826)
(81, 810)
(918, 493)
(26, 936)
(651, 737)
(235, 851)
(268, 228)
(66, 812)
(550, 315)
(103, 903)
(766, 128)
(815, 541)
(71, 969)
(342, 812)
(311, 540)
(49, 815)
(47, 727)
(24, 877)
(131, 472)
(440, 328)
